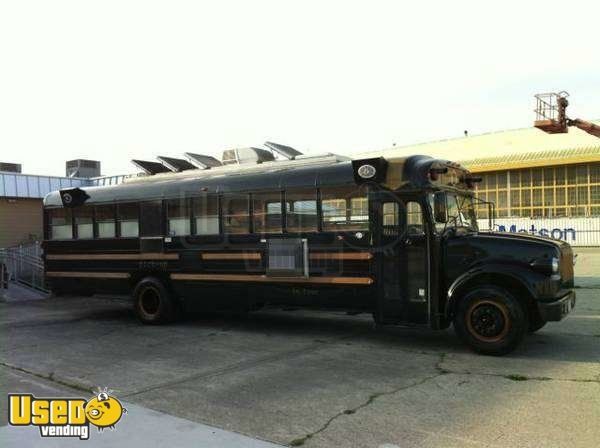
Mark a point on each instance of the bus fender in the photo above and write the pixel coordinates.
(501, 274)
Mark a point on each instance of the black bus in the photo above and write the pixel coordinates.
(394, 237)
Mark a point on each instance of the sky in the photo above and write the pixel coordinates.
(116, 80)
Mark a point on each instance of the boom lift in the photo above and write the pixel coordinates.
(551, 115)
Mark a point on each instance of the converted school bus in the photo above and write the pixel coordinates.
(397, 238)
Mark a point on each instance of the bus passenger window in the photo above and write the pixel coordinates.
(178, 217)
(390, 219)
(390, 214)
(236, 219)
(414, 219)
(359, 210)
(301, 211)
(84, 222)
(60, 224)
(266, 210)
(105, 220)
(129, 220)
(345, 209)
(206, 215)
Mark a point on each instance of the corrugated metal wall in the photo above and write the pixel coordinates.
(575, 231)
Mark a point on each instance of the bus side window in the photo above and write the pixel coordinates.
(390, 219)
(236, 219)
(301, 211)
(84, 223)
(344, 209)
(178, 217)
(414, 218)
(60, 224)
(105, 221)
(206, 215)
(266, 212)
(128, 215)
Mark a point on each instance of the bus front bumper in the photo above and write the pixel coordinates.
(557, 310)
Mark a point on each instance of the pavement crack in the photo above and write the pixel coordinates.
(50, 377)
(519, 377)
(237, 367)
(370, 400)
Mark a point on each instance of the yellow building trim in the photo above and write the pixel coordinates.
(533, 160)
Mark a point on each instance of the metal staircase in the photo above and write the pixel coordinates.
(23, 264)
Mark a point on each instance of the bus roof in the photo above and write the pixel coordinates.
(272, 176)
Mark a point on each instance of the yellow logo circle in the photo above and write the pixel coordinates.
(104, 411)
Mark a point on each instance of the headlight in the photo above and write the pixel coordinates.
(547, 267)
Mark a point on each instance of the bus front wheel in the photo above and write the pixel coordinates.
(153, 302)
(490, 320)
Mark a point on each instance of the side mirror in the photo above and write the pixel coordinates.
(440, 207)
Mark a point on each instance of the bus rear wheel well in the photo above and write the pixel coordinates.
(506, 282)
(138, 276)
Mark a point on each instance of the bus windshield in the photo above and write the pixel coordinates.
(461, 212)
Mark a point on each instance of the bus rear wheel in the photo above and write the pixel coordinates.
(490, 320)
(153, 303)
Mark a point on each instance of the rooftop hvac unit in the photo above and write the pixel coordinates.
(83, 168)
(246, 155)
(10, 167)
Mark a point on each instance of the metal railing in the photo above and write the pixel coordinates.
(24, 265)
(551, 106)
(3, 277)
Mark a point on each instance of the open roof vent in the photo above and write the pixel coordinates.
(202, 161)
(286, 151)
(176, 165)
(150, 167)
(246, 155)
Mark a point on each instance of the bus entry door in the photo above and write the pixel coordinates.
(402, 248)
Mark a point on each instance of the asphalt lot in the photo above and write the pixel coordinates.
(317, 379)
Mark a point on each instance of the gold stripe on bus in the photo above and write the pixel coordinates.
(88, 274)
(341, 256)
(140, 257)
(357, 281)
(231, 256)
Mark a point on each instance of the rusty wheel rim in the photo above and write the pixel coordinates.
(488, 321)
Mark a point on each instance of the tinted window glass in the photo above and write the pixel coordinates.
(266, 210)
(206, 215)
(128, 215)
(235, 214)
(178, 217)
(301, 211)
(414, 218)
(105, 220)
(390, 214)
(60, 224)
(84, 222)
(344, 209)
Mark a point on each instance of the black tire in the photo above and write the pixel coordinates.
(490, 320)
(153, 303)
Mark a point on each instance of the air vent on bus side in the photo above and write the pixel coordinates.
(287, 257)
